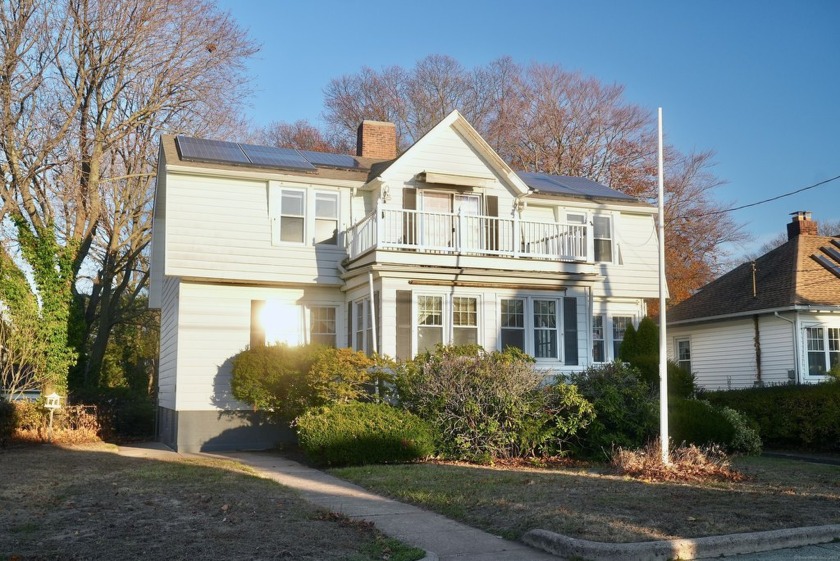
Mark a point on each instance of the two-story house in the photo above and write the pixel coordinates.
(380, 252)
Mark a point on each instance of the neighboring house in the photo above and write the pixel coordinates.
(444, 243)
(774, 320)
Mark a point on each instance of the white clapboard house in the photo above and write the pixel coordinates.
(382, 252)
(774, 320)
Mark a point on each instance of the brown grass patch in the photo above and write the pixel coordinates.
(687, 464)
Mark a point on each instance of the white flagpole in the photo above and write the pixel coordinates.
(663, 349)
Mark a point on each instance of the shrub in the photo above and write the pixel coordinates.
(358, 433)
(121, 412)
(625, 411)
(271, 378)
(563, 412)
(803, 417)
(31, 415)
(285, 381)
(481, 404)
(8, 421)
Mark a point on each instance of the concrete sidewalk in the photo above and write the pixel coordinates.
(442, 538)
(447, 540)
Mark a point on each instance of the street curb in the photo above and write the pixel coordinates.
(697, 548)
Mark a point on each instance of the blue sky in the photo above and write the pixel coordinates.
(757, 82)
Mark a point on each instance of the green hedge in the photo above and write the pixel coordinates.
(358, 433)
(699, 422)
(803, 418)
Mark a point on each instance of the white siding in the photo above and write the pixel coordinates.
(220, 229)
(777, 353)
(167, 366)
(722, 354)
(635, 271)
(215, 325)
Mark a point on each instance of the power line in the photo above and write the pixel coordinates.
(836, 177)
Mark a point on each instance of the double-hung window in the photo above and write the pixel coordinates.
(363, 326)
(546, 329)
(429, 322)
(603, 236)
(464, 320)
(620, 324)
(684, 354)
(326, 218)
(598, 349)
(322, 326)
(513, 323)
(301, 215)
(292, 215)
(823, 344)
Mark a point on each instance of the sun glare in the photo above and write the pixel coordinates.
(282, 323)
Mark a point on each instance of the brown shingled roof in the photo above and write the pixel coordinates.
(786, 276)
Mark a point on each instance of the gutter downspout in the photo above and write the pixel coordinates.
(795, 346)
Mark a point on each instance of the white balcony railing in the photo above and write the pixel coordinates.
(450, 233)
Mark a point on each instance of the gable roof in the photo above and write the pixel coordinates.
(788, 276)
(456, 122)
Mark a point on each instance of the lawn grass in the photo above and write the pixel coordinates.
(87, 502)
(594, 504)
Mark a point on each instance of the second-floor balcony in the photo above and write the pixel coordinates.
(468, 234)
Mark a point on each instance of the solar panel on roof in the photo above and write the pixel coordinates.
(324, 159)
(567, 185)
(269, 156)
(203, 150)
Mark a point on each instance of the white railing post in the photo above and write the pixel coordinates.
(517, 235)
(380, 222)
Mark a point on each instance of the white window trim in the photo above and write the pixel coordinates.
(275, 200)
(447, 310)
(613, 252)
(826, 348)
(677, 341)
(308, 320)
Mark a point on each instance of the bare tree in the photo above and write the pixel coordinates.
(91, 85)
(544, 118)
(301, 135)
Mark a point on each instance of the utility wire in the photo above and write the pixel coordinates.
(835, 178)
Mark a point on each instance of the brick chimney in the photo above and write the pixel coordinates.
(376, 139)
(801, 225)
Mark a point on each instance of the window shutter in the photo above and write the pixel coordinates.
(403, 325)
(492, 204)
(257, 329)
(409, 198)
(570, 331)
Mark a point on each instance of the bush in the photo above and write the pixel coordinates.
(701, 423)
(8, 421)
(360, 433)
(121, 413)
(562, 412)
(483, 405)
(803, 418)
(698, 422)
(285, 381)
(625, 411)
